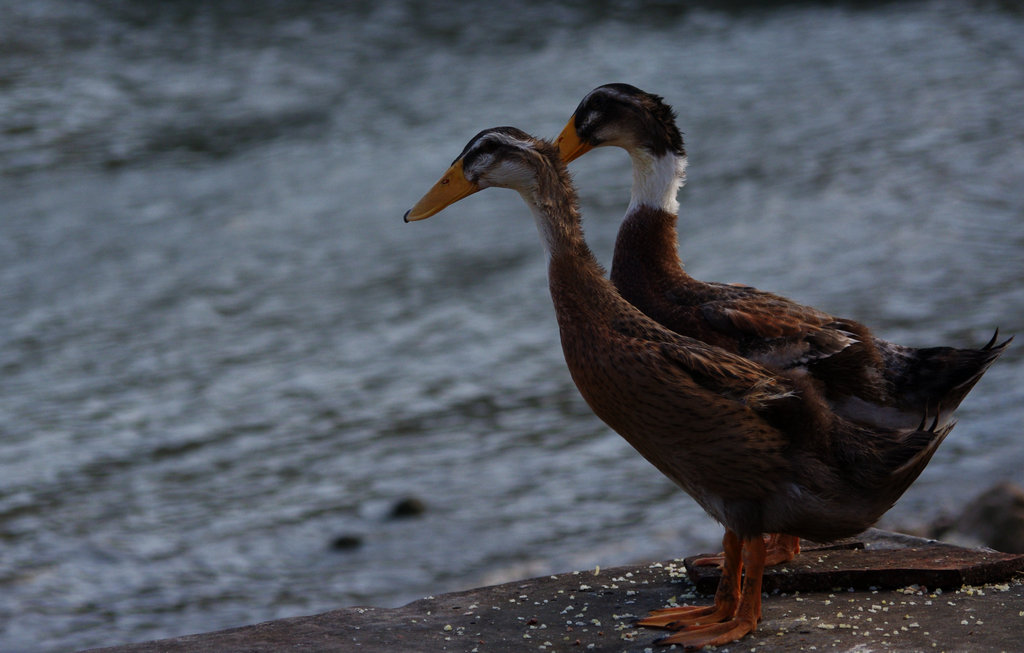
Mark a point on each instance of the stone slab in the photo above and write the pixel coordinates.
(595, 611)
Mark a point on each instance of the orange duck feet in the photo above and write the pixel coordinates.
(686, 616)
(735, 612)
(710, 634)
(780, 549)
(727, 597)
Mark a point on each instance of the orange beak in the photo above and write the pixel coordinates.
(449, 189)
(570, 146)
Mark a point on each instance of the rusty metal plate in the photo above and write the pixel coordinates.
(865, 563)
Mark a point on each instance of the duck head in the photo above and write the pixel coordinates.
(623, 116)
(502, 157)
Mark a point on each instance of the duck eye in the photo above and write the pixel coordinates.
(587, 121)
(487, 147)
(484, 149)
(484, 156)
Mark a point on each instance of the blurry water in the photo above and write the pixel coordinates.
(220, 348)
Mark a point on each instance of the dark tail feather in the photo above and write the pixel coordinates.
(944, 374)
(984, 358)
(995, 336)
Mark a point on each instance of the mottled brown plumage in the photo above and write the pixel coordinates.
(760, 450)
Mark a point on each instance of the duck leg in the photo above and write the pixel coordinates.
(726, 597)
(781, 548)
(747, 615)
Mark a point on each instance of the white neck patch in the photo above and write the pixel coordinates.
(543, 221)
(657, 180)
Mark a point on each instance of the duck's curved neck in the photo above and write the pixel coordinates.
(560, 228)
(648, 239)
(656, 180)
(575, 278)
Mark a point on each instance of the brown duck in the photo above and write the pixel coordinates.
(761, 450)
(863, 378)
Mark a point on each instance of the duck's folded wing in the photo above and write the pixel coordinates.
(715, 369)
(776, 331)
(729, 375)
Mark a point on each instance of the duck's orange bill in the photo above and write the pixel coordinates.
(569, 144)
(451, 188)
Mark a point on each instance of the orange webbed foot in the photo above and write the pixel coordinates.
(726, 598)
(686, 616)
(710, 634)
(726, 621)
(717, 560)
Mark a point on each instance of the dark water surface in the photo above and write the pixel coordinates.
(220, 348)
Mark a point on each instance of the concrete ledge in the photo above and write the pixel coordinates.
(594, 610)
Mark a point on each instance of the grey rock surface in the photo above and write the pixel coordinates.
(594, 611)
